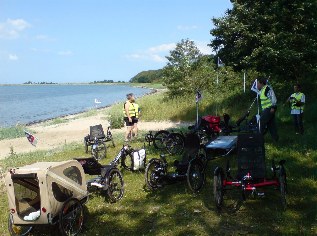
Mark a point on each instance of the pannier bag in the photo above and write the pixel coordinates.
(139, 159)
(213, 122)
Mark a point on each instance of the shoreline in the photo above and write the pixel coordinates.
(35, 122)
(54, 136)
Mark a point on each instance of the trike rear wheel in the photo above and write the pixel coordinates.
(115, 185)
(18, 230)
(195, 175)
(159, 139)
(100, 151)
(175, 143)
(153, 173)
(71, 218)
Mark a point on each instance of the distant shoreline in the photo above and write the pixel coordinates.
(152, 91)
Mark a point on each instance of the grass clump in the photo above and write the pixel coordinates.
(12, 132)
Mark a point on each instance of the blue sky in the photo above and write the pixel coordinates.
(82, 41)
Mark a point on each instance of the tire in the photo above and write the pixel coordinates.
(115, 185)
(100, 152)
(153, 173)
(283, 188)
(218, 187)
(86, 145)
(195, 175)
(127, 161)
(175, 143)
(18, 230)
(71, 217)
(159, 139)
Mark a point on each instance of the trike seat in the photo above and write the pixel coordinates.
(251, 156)
(90, 165)
(96, 132)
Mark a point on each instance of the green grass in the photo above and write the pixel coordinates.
(174, 210)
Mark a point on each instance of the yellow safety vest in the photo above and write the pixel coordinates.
(131, 109)
(265, 101)
(136, 109)
(297, 98)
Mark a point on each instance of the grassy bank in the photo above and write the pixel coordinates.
(174, 210)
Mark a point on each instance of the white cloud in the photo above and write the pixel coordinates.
(187, 27)
(156, 53)
(11, 29)
(162, 48)
(65, 53)
(13, 57)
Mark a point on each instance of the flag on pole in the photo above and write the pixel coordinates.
(31, 138)
(254, 87)
(220, 63)
(198, 96)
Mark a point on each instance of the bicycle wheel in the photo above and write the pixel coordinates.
(100, 151)
(175, 143)
(195, 175)
(127, 161)
(71, 217)
(153, 173)
(115, 185)
(159, 139)
(283, 188)
(218, 190)
(18, 230)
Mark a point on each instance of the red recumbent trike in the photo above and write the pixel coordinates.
(251, 173)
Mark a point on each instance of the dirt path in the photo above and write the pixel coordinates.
(74, 130)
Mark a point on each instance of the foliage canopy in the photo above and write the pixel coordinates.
(275, 37)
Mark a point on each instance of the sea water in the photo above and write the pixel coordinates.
(24, 104)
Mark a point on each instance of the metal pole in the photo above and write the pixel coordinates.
(244, 82)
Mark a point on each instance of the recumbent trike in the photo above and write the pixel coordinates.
(97, 139)
(190, 168)
(251, 172)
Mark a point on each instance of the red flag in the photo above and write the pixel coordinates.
(31, 138)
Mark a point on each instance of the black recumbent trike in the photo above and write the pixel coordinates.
(110, 179)
(97, 139)
(190, 168)
(251, 173)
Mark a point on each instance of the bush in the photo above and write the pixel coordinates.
(116, 119)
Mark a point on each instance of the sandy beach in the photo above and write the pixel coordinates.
(73, 130)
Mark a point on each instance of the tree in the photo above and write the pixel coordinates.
(182, 63)
(275, 37)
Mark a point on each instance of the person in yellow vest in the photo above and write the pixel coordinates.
(129, 113)
(297, 102)
(135, 119)
(268, 105)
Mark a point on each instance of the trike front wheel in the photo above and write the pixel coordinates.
(195, 175)
(115, 185)
(153, 173)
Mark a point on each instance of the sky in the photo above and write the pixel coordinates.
(68, 41)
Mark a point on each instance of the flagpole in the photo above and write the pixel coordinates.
(244, 82)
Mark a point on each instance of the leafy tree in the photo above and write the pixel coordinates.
(179, 71)
(275, 37)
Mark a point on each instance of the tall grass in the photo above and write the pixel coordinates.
(12, 132)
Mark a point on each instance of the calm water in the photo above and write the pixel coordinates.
(26, 104)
